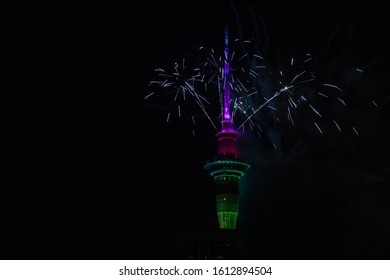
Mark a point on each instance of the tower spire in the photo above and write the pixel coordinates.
(226, 70)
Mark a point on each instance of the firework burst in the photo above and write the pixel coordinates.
(265, 98)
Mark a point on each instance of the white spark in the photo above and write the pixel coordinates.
(252, 93)
(315, 110)
(297, 76)
(150, 94)
(342, 101)
(338, 127)
(319, 93)
(154, 82)
(333, 86)
(242, 57)
(318, 128)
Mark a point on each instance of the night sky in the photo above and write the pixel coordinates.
(101, 174)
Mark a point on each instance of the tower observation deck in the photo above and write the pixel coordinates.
(226, 168)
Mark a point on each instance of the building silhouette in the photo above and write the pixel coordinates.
(216, 244)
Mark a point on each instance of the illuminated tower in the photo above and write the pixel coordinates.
(226, 168)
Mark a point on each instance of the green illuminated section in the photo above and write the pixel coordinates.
(227, 210)
(227, 174)
(224, 168)
(227, 220)
(224, 179)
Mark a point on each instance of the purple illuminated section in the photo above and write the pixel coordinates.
(226, 97)
(227, 137)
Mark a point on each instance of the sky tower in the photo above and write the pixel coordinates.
(226, 168)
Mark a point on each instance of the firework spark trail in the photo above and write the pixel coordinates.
(337, 125)
(318, 127)
(333, 86)
(315, 110)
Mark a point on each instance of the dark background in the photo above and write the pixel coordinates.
(101, 175)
